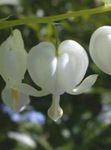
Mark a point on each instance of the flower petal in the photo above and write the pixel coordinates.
(16, 100)
(100, 48)
(13, 58)
(29, 90)
(85, 85)
(42, 65)
(55, 112)
(72, 64)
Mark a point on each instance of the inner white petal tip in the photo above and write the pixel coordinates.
(55, 115)
(18, 110)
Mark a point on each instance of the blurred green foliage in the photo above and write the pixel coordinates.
(86, 124)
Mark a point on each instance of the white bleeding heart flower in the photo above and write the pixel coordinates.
(100, 48)
(13, 59)
(57, 74)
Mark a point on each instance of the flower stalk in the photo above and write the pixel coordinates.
(47, 19)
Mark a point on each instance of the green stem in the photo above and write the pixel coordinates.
(32, 20)
(57, 41)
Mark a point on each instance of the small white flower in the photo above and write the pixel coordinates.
(59, 74)
(100, 48)
(13, 59)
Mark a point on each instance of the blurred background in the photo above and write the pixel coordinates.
(86, 123)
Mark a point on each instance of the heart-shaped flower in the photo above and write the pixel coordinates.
(13, 59)
(100, 48)
(57, 74)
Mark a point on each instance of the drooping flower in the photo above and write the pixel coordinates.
(13, 59)
(100, 48)
(59, 71)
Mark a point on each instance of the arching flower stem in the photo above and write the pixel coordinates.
(47, 19)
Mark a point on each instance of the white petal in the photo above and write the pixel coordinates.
(85, 85)
(100, 48)
(42, 65)
(55, 112)
(29, 90)
(13, 58)
(16, 100)
(72, 64)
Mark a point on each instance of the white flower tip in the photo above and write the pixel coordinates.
(55, 115)
(96, 76)
(18, 109)
(14, 99)
(87, 83)
(91, 79)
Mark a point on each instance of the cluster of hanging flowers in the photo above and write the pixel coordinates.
(56, 71)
